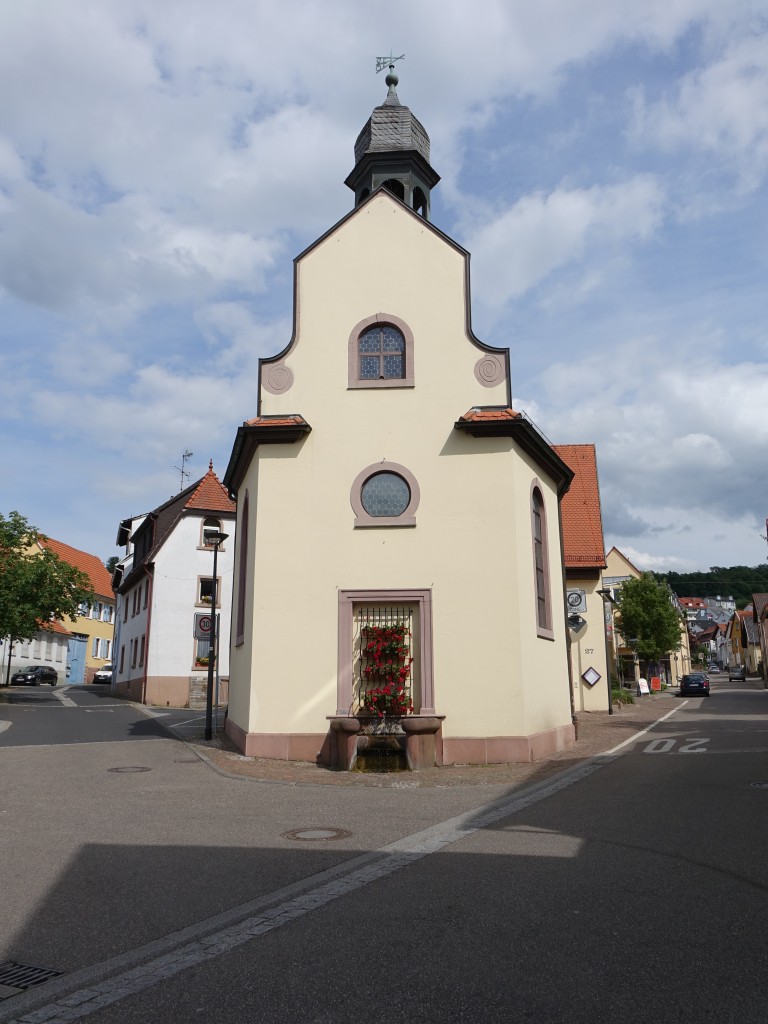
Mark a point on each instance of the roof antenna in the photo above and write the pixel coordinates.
(186, 454)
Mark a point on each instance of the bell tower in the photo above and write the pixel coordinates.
(393, 150)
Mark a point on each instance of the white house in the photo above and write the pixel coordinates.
(398, 520)
(164, 581)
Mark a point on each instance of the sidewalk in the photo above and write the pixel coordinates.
(597, 732)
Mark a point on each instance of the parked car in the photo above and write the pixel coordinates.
(695, 683)
(103, 674)
(34, 675)
(737, 672)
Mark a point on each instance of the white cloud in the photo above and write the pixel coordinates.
(720, 109)
(518, 249)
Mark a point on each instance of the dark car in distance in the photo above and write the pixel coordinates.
(34, 675)
(694, 683)
(737, 672)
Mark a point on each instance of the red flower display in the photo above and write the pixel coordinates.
(386, 672)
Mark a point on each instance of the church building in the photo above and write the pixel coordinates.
(399, 557)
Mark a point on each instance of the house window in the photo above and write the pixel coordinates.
(541, 565)
(205, 590)
(95, 648)
(106, 614)
(141, 651)
(122, 657)
(210, 526)
(125, 607)
(146, 592)
(134, 651)
(202, 652)
(59, 652)
(385, 494)
(380, 353)
(24, 651)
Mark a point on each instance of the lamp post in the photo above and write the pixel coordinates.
(215, 538)
(608, 602)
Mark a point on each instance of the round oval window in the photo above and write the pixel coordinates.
(385, 494)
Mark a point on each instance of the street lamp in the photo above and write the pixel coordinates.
(214, 537)
(608, 601)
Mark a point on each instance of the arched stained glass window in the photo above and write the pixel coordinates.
(382, 353)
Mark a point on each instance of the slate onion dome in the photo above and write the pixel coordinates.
(393, 150)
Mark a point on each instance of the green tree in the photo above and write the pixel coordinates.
(647, 618)
(36, 586)
(111, 563)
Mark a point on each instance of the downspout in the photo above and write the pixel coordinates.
(150, 598)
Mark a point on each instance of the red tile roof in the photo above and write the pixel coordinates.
(93, 568)
(583, 543)
(488, 414)
(211, 494)
(55, 627)
(277, 421)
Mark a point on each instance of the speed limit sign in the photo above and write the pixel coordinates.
(203, 623)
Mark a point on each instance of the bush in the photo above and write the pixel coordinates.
(622, 697)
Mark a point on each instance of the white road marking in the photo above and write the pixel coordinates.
(4, 726)
(66, 701)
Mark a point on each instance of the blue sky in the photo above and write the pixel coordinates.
(605, 164)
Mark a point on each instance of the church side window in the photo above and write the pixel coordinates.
(541, 565)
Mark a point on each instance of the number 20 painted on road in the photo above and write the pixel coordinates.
(690, 745)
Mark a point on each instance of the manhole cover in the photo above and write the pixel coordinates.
(130, 768)
(22, 976)
(314, 835)
(759, 785)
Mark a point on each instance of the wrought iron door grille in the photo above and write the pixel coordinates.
(384, 658)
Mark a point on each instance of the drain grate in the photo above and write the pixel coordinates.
(23, 976)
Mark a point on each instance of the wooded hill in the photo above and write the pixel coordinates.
(738, 581)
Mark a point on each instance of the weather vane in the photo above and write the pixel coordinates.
(387, 62)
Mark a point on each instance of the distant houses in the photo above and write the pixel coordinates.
(164, 586)
(76, 648)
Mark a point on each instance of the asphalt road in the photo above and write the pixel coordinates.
(631, 889)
